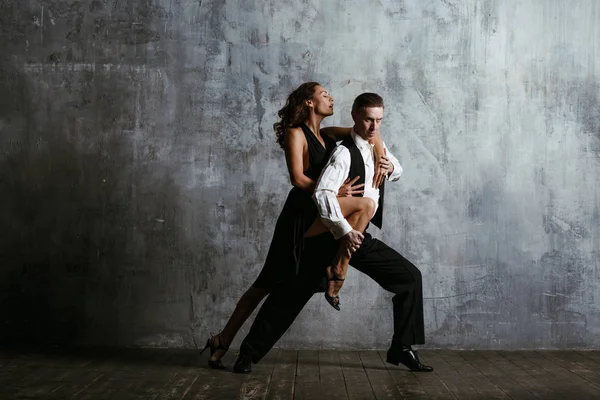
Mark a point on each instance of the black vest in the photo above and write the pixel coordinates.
(357, 168)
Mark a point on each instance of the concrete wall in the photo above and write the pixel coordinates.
(140, 180)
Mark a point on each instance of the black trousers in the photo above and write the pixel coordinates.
(376, 259)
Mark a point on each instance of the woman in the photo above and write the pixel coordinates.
(307, 151)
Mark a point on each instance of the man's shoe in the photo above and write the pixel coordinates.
(409, 357)
(243, 364)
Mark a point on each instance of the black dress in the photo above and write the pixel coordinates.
(298, 214)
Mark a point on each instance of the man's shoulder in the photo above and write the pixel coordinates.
(340, 153)
(348, 143)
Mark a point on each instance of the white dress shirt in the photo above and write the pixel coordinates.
(334, 175)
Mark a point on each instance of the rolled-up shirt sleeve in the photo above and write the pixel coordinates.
(395, 175)
(332, 177)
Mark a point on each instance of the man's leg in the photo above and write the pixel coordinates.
(275, 316)
(398, 275)
(283, 305)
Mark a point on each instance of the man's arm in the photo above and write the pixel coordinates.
(332, 177)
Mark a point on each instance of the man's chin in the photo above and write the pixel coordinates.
(366, 136)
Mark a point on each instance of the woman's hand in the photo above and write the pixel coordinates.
(383, 166)
(347, 190)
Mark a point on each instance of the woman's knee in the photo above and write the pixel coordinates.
(367, 206)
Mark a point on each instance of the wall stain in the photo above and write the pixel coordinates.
(260, 110)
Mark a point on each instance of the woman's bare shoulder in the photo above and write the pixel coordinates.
(295, 135)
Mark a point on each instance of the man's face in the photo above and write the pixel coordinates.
(367, 121)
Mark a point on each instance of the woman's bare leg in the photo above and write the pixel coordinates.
(244, 308)
(359, 221)
(358, 211)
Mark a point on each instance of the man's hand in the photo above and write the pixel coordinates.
(347, 190)
(352, 241)
(383, 167)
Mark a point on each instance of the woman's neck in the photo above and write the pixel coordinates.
(314, 123)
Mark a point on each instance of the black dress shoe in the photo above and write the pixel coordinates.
(410, 358)
(243, 364)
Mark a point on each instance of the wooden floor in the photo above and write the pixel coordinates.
(287, 374)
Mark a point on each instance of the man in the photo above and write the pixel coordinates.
(354, 157)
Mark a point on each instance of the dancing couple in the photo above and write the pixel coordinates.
(337, 191)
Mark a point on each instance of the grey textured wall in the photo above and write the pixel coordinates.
(140, 180)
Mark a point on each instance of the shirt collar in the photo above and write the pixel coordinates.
(360, 142)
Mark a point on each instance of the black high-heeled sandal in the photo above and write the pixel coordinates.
(213, 349)
(334, 301)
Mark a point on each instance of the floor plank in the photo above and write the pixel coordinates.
(406, 381)
(563, 390)
(581, 359)
(284, 376)
(182, 367)
(519, 373)
(472, 375)
(257, 384)
(577, 384)
(70, 378)
(431, 382)
(331, 375)
(451, 378)
(591, 355)
(215, 384)
(357, 383)
(382, 383)
(308, 385)
(570, 361)
(159, 374)
(502, 380)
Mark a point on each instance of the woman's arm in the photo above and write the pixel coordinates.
(295, 144)
(339, 133)
(336, 132)
(379, 152)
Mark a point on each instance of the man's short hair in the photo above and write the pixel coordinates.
(366, 100)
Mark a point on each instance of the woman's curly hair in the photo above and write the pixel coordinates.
(294, 112)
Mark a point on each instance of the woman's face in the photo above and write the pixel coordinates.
(321, 102)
